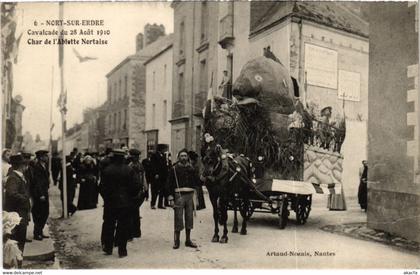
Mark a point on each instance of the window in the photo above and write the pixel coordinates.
(203, 76)
(181, 87)
(119, 90)
(109, 93)
(115, 92)
(204, 20)
(164, 113)
(181, 38)
(115, 122)
(154, 81)
(164, 76)
(125, 86)
(110, 123)
(125, 119)
(153, 116)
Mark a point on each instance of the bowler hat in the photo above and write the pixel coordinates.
(119, 152)
(26, 155)
(41, 153)
(17, 159)
(134, 152)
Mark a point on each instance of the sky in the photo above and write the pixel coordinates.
(36, 75)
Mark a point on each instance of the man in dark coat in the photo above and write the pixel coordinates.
(17, 198)
(117, 188)
(180, 190)
(139, 198)
(159, 173)
(148, 171)
(39, 193)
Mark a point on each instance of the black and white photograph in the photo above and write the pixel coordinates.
(210, 135)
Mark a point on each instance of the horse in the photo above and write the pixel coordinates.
(227, 179)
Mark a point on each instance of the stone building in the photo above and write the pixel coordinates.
(125, 105)
(159, 95)
(325, 45)
(95, 121)
(394, 132)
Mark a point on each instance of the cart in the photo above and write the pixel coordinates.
(278, 197)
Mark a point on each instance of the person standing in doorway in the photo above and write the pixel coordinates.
(362, 194)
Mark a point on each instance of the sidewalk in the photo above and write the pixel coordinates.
(38, 250)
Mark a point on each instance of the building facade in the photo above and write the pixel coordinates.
(393, 155)
(126, 96)
(318, 41)
(159, 96)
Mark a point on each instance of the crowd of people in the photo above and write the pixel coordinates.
(122, 179)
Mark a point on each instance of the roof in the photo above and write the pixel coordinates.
(125, 60)
(163, 44)
(147, 52)
(332, 14)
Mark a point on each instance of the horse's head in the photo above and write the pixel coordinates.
(211, 155)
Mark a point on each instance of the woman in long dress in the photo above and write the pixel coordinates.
(362, 194)
(88, 192)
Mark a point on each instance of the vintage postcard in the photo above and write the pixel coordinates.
(210, 135)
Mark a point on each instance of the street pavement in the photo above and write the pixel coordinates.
(265, 246)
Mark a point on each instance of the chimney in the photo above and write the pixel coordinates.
(153, 32)
(139, 42)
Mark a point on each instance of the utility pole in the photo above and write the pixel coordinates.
(63, 110)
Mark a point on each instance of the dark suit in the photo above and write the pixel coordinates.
(17, 199)
(118, 187)
(158, 167)
(137, 200)
(39, 187)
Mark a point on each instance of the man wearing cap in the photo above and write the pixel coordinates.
(117, 188)
(17, 198)
(180, 190)
(139, 198)
(39, 192)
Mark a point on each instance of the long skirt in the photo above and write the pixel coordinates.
(87, 195)
(337, 201)
(362, 195)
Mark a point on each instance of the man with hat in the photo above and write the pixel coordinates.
(17, 199)
(180, 190)
(117, 188)
(39, 192)
(325, 133)
(138, 198)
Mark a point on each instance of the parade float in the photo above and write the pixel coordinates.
(295, 150)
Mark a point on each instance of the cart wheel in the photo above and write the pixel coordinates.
(283, 213)
(249, 210)
(303, 207)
